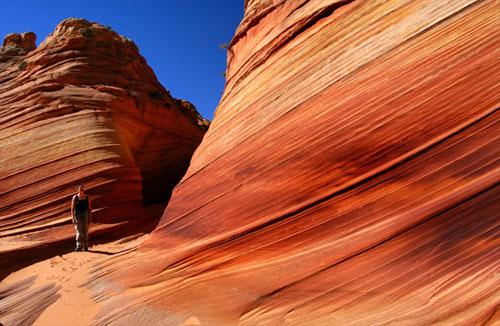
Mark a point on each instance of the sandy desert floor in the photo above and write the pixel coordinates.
(69, 272)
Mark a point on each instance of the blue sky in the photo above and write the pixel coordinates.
(179, 38)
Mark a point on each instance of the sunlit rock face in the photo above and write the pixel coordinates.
(350, 177)
(84, 107)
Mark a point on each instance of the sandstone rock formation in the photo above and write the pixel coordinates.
(350, 176)
(20, 305)
(15, 44)
(84, 107)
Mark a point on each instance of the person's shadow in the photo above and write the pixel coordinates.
(109, 253)
(102, 252)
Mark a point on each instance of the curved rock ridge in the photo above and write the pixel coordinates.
(350, 177)
(84, 107)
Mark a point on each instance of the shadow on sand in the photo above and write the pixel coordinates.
(109, 253)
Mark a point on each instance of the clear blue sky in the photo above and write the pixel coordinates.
(179, 38)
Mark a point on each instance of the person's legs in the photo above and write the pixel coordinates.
(86, 237)
(79, 236)
(76, 237)
(82, 231)
(85, 229)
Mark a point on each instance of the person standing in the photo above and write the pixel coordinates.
(81, 211)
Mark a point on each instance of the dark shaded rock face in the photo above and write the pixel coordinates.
(78, 109)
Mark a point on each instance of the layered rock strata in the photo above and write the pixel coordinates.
(84, 107)
(350, 176)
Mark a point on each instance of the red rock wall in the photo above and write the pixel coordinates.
(84, 107)
(350, 176)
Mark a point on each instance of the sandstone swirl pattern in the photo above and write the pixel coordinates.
(84, 107)
(350, 176)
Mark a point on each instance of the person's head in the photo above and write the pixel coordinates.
(81, 189)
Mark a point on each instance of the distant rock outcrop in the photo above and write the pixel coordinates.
(84, 107)
(17, 44)
(350, 176)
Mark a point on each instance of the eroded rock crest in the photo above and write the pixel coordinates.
(17, 44)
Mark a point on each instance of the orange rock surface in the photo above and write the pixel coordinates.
(84, 107)
(350, 176)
